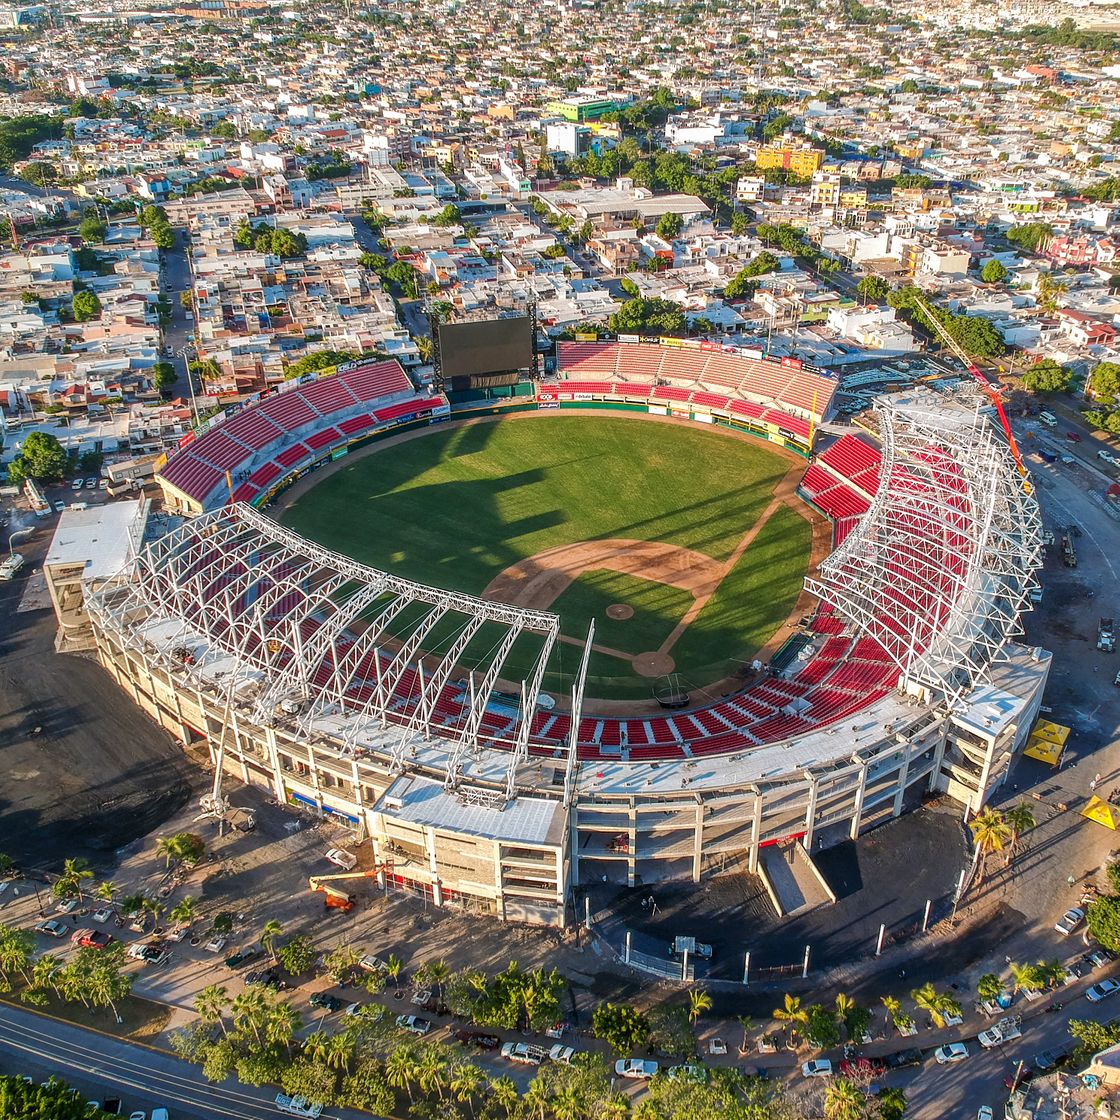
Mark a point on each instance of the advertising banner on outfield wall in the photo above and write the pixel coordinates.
(702, 417)
(547, 395)
(628, 338)
(658, 410)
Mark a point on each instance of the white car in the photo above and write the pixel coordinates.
(951, 1052)
(67, 906)
(215, 945)
(989, 1038)
(818, 1067)
(91, 483)
(370, 963)
(561, 1053)
(1102, 990)
(59, 506)
(690, 1072)
(340, 857)
(523, 1053)
(1107, 456)
(984, 1112)
(102, 915)
(413, 1024)
(1070, 920)
(640, 1069)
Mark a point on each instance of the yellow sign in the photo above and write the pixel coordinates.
(1101, 812)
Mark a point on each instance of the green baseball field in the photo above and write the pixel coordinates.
(670, 537)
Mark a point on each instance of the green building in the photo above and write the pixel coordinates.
(580, 109)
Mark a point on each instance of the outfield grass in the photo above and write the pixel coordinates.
(457, 506)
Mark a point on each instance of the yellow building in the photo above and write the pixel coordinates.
(803, 160)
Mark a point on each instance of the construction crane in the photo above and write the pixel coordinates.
(993, 394)
(336, 897)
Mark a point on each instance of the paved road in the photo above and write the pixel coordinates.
(177, 279)
(100, 1067)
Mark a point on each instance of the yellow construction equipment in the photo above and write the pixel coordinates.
(336, 897)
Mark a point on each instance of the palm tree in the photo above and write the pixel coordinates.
(316, 1046)
(615, 1107)
(843, 1100)
(153, 907)
(698, 1002)
(746, 1022)
(845, 1005)
(791, 1013)
(69, 883)
(1020, 819)
(431, 1071)
(106, 890)
(537, 1097)
(438, 972)
(927, 999)
(567, 1104)
(1025, 977)
(272, 930)
(893, 1006)
(132, 904)
(989, 987)
(393, 966)
(281, 1024)
(211, 1003)
(504, 1093)
(185, 911)
(467, 1080)
(401, 1069)
(168, 848)
(990, 833)
(250, 1009)
(340, 1049)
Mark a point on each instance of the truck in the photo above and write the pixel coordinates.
(298, 1106)
(1007, 1029)
(1069, 553)
(1106, 641)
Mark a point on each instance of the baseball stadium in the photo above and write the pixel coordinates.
(645, 617)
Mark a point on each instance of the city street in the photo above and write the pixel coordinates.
(100, 1066)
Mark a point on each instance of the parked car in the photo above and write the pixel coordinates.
(640, 1069)
(524, 1053)
(689, 1072)
(370, 963)
(67, 906)
(413, 1024)
(215, 944)
(52, 928)
(1073, 437)
(1048, 1059)
(476, 1038)
(86, 938)
(59, 506)
(77, 484)
(243, 956)
(91, 484)
(1102, 990)
(1098, 958)
(561, 1053)
(151, 953)
(818, 1067)
(267, 977)
(984, 1112)
(950, 1053)
(326, 1002)
(1070, 920)
(340, 857)
(903, 1058)
(101, 915)
(1107, 456)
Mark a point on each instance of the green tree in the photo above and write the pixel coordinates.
(17, 947)
(740, 286)
(85, 306)
(367, 1088)
(821, 1027)
(450, 215)
(184, 912)
(211, 1004)
(892, 1103)
(1030, 236)
(844, 1100)
(740, 223)
(53, 1100)
(1019, 818)
(791, 1013)
(990, 833)
(648, 316)
(93, 230)
(669, 226)
(272, 930)
(623, 1028)
(993, 273)
(1104, 382)
(1047, 376)
(74, 873)
(312, 1079)
(163, 376)
(1092, 1037)
(873, 289)
(1103, 915)
(764, 263)
(297, 955)
(989, 987)
(42, 457)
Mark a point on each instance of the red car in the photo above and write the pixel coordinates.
(1073, 437)
(90, 938)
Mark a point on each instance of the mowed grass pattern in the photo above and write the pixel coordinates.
(457, 506)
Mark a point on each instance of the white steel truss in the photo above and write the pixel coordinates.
(941, 566)
(316, 629)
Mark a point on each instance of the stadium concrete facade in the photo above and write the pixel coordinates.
(298, 668)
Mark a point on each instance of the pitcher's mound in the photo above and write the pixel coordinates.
(620, 611)
(653, 664)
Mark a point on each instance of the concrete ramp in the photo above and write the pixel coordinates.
(792, 880)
